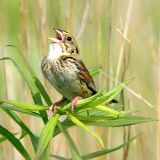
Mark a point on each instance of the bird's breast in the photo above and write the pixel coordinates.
(60, 73)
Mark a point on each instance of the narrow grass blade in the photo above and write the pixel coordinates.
(23, 134)
(65, 125)
(94, 118)
(73, 149)
(18, 109)
(106, 151)
(46, 153)
(119, 122)
(83, 126)
(106, 98)
(3, 138)
(28, 78)
(98, 99)
(46, 136)
(84, 102)
(34, 138)
(34, 91)
(110, 95)
(16, 142)
(29, 107)
(95, 71)
(42, 91)
(59, 157)
(108, 110)
(24, 58)
(101, 152)
(123, 121)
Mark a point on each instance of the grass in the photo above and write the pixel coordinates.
(101, 34)
(95, 106)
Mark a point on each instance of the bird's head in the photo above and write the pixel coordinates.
(66, 41)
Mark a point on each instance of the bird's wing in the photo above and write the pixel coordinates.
(83, 72)
(85, 76)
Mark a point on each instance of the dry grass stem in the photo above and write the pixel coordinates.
(84, 19)
(139, 96)
(120, 59)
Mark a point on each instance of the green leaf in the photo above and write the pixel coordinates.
(123, 121)
(94, 118)
(83, 102)
(65, 124)
(46, 153)
(108, 110)
(16, 142)
(42, 91)
(60, 157)
(101, 152)
(83, 126)
(119, 122)
(22, 110)
(46, 135)
(34, 138)
(34, 91)
(73, 149)
(106, 151)
(29, 107)
(109, 96)
(23, 134)
(97, 99)
(28, 78)
(95, 71)
(2, 139)
(24, 58)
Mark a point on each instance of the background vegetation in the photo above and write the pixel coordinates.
(121, 36)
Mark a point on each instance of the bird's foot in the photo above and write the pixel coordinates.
(74, 102)
(53, 108)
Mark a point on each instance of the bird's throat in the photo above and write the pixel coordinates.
(55, 51)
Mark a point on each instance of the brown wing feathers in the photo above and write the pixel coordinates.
(83, 72)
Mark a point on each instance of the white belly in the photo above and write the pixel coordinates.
(65, 81)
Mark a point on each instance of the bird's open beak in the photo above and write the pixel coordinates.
(59, 36)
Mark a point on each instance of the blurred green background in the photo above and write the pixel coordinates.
(122, 36)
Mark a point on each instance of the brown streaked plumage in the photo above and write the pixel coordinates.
(65, 70)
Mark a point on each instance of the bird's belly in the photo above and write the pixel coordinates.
(66, 83)
(65, 79)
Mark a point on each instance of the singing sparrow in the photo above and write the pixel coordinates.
(65, 70)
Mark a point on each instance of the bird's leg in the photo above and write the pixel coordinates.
(53, 108)
(74, 102)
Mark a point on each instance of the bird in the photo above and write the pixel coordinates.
(65, 70)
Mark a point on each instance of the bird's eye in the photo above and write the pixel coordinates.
(69, 38)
